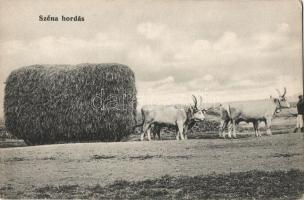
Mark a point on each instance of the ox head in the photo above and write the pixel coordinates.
(282, 100)
(197, 114)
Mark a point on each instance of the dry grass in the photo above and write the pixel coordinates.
(53, 104)
(247, 168)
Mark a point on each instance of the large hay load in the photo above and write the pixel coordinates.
(47, 104)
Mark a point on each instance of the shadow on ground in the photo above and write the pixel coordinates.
(243, 185)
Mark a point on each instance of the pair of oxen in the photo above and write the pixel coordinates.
(184, 117)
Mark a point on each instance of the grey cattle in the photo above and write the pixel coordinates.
(251, 111)
(170, 115)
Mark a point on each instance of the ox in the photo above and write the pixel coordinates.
(169, 115)
(251, 111)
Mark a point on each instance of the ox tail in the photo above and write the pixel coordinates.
(226, 108)
(229, 111)
(140, 125)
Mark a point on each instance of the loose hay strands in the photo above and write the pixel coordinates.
(54, 103)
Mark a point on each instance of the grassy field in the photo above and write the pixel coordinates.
(203, 167)
(261, 168)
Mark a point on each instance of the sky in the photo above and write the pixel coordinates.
(222, 50)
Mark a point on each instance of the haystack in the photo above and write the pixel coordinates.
(47, 104)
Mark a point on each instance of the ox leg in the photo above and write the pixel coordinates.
(158, 133)
(153, 129)
(145, 129)
(230, 127)
(177, 133)
(142, 135)
(180, 130)
(268, 126)
(149, 134)
(234, 129)
(181, 133)
(255, 127)
(223, 126)
(260, 134)
(185, 132)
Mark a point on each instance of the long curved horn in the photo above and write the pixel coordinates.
(284, 92)
(278, 92)
(195, 101)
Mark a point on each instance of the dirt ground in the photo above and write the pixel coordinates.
(87, 164)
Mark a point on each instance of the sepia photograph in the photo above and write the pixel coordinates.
(151, 99)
